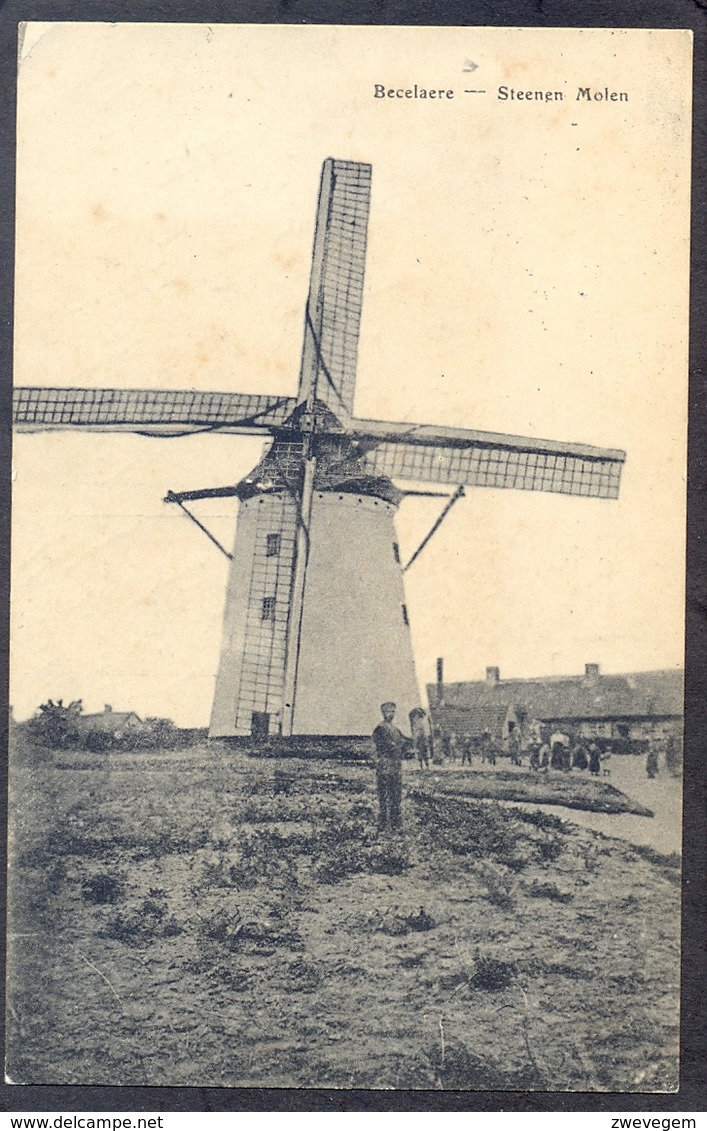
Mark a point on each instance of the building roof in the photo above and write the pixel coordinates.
(473, 723)
(109, 720)
(638, 695)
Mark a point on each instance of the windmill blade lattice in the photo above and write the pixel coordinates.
(333, 314)
(164, 411)
(478, 459)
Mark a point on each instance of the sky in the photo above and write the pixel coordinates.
(527, 272)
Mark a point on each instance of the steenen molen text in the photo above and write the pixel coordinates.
(503, 94)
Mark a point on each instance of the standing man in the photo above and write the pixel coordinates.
(390, 743)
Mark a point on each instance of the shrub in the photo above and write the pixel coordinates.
(226, 928)
(500, 885)
(492, 973)
(550, 847)
(303, 976)
(103, 888)
(142, 921)
(55, 725)
(97, 741)
(398, 922)
(546, 821)
(153, 734)
(538, 890)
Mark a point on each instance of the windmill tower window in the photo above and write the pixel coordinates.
(396, 552)
(268, 609)
(406, 619)
(272, 545)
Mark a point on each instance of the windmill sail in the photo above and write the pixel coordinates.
(160, 411)
(487, 459)
(333, 314)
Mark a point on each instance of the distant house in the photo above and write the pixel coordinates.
(637, 706)
(499, 719)
(112, 722)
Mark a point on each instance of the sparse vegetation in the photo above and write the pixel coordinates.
(200, 917)
(549, 890)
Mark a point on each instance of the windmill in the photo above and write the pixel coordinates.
(316, 630)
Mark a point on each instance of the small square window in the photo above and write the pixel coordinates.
(272, 545)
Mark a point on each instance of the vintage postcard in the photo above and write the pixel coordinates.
(348, 557)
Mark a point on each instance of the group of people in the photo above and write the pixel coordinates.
(439, 746)
(544, 749)
(668, 750)
(558, 752)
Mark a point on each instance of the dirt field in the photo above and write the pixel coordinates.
(205, 918)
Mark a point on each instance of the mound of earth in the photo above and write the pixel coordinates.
(554, 788)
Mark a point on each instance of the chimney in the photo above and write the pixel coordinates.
(493, 676)
(591, 674)
(440, 680)
(107, 709)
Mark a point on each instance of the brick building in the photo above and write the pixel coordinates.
(635, 707)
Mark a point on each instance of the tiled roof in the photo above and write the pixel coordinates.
(473, 723)
(636, 695)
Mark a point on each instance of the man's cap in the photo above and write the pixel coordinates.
(388, 704)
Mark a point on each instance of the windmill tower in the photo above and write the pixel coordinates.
(316, 629)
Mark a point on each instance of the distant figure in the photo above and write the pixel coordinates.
(421, 736)
(488, 750)
(567, 757)
(580, 761)
(605, 759)
(594, 759)
(446, 746)
(545, 755)
(467, 750)
(535, 732)
(559, 744)
(453, 746)
(673, 755)
(436, 747)
(514, 740)
(390, 743)
(534, 759)
(652, 761)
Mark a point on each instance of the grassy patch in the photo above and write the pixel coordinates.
(208, 919)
